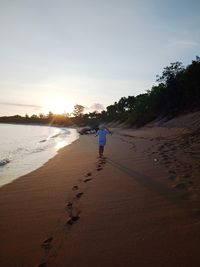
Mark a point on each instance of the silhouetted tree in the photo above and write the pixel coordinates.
(170, 72)
(78, 110)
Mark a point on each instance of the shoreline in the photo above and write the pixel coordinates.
(123, 210)
(37, 168)
(38, 154)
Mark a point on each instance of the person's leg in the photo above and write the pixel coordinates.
(100, 151)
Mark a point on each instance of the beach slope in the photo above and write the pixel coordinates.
(133, 208)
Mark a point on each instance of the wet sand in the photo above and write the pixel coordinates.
(137, 207)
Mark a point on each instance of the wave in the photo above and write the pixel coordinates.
(62, 132)
(4, 162)
(42, 141)
(66, 131)
(36, 150)
(56, 135)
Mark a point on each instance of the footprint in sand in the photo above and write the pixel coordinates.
(47, 243)
(72, 219)
(75, 188)
(103, 159)
(88, 174)
(68, 206)
(102, 162)
(87, 180)
(79, 195)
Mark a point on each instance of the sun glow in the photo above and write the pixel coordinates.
(58, 106)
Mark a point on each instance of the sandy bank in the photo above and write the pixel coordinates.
(127, 210)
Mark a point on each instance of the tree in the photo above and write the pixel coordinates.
(41, 116)
(34, 116)
(130, 103)
(78, 110)
(170, 72)
(50, 115)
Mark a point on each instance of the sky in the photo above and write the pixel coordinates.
(55, 54)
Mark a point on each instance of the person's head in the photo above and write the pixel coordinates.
(101, 127)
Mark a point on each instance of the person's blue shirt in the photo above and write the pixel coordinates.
(102, 136)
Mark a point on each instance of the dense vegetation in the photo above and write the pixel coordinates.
(177, 91)
(49, 119)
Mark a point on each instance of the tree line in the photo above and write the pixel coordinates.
(49, 119)
(177, 91)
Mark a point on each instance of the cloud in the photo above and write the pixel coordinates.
(183, 44)
(20, 105)
(95, 107)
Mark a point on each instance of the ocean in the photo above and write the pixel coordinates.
(24, 148)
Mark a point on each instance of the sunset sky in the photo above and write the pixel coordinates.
(55, 54)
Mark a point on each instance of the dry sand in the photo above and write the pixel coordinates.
(137, 207)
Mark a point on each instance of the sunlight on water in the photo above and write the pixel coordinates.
(60, 144)
(24, 148)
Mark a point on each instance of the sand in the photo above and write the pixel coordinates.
(137, 207)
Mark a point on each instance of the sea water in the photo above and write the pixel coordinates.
(24, 148)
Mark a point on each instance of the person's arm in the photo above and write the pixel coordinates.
(108, 130)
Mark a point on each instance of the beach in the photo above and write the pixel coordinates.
(138, 206)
